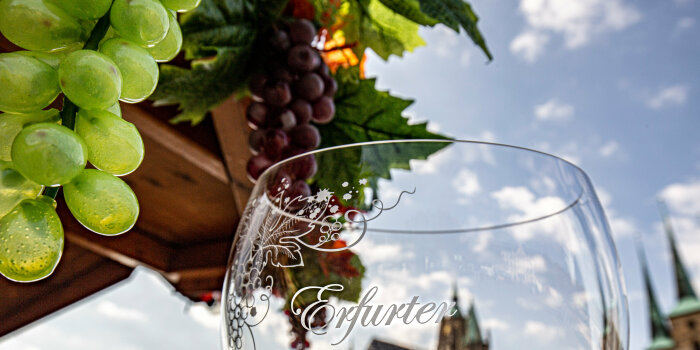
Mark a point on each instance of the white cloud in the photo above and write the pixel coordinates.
(433, 163)
(465, 58)
(669, 96)
(203, 315)
(544, 333)
(112, 310)
(373, 253)
(446, 41)
(609, 149)
(467, 183)
(495, 324)
(554, 110)
(622, 227)
(683, 198)
(685, 23)
(529, 45)
(576, 21)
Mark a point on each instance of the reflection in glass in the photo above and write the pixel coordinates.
(397, 244)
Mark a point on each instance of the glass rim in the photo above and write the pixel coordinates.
(572, 203)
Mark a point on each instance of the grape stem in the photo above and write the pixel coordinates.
(69, 108)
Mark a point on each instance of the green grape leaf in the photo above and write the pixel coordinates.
(369, 23)
(364, 114)
(411, 10)
(456, 14)
(220, 36)
(208, 83)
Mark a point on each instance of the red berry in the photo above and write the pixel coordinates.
(324, 110)
(257, 165)
(302, 111)
(305, 136)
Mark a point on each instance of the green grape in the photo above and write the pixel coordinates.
(39, 25)
(14, 188)
(181, 5)
(85, 9)
(49, 154)
(102, 202)
(167, 49)
(53, 59)
(31, 240)
(144, 22)
(90, 79)
(115, 109)
(114, 145)
(139, 70)
(26, 84)
(12, 124)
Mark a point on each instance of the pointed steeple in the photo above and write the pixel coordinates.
(687, 299)
(472, 334)
(455, 312)
(660, 334)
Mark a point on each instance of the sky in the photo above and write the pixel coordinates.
(607, 84)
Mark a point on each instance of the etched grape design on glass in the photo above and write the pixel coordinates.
(472, 246)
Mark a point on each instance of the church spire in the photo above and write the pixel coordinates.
(660, 334)
(473, 333)
(683, 286)
(687, 299)
(455, 298)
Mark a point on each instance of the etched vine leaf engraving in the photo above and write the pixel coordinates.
(275, 233)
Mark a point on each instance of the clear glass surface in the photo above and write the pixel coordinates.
(479, 246)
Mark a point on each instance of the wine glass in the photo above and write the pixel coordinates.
(424, 244)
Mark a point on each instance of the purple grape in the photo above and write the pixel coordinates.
(309, 86)
(256, 115)
(286, 120)
(299, 188)
(274, 143)
(331, 86)
(255, 141)
(302, 168)
(257, 165)
(280, 41)
(302, 31)
(324, 110)
(278, 184)
(323, 70)
(302, 111)
(277, 94)
(305, 136)
(303, 58)
(257, 84)
(282, 74)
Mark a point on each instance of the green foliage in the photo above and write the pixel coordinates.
(369, 23)
(364, 114)
(219, 35)
(455, 14)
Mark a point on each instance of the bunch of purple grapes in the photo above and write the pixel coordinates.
(295, 90)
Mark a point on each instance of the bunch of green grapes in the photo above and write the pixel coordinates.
(93, 53)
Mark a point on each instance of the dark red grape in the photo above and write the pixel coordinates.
(324, 110)
(257, 165)
(255, 141)
(257, 84)
(280, 41)
(302, 31)
(309, 86)
(323, 70)
(282, 74)
(303, 58)
(286, 120)
(274, 143)
(302, 111)
(256, 115)
(331, 86)
(305, 136)
(277, 94)
(302, 168)
(281, 180)
(299, 188)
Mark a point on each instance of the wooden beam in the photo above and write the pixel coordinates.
(233, 131)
